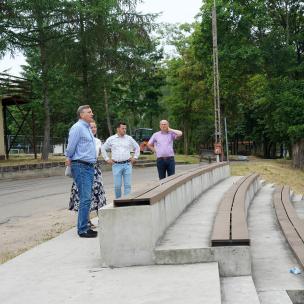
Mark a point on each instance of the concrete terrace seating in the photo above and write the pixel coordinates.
(230, 225)
(130, 229)
(292, 226)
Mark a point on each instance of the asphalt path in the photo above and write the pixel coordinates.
(31, 197)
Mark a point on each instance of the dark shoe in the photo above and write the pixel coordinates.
(89, 234)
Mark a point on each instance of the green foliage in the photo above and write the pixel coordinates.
(101, 53)
(77, 50)
(261, 73)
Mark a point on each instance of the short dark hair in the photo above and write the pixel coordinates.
(81, 108)
(120, 123)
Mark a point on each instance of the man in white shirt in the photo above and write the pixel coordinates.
(121, 145)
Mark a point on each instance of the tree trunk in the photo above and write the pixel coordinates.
(185, 135)
(84, 62)
(298, 154)
(151, 121)
(266, 147)
(237, 145)
(46, 105)
(106, 101)
(281, 150)
(274, 151)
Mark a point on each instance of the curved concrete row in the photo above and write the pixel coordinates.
(128, 235)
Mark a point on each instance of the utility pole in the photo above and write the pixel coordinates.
(216, 90)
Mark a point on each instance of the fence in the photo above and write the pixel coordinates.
(22, 144)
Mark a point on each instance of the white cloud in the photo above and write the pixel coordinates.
(173, 11)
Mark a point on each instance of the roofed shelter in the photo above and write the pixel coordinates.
(15, 91)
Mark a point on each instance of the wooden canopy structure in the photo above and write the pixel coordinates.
(17, 92)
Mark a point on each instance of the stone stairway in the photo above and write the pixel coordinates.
(271, 255)
(268, 280)
(188, 241)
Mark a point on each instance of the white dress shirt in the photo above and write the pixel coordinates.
(120, 146)
(98, 145)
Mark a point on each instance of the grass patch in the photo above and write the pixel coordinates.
(274, 171)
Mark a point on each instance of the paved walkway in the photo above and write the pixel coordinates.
(66, 270)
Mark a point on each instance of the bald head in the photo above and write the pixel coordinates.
(164, 125)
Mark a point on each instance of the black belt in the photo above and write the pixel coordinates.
(83, 162)
(166, 157)
(121, 162)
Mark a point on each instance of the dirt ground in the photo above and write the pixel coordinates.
(21, 234)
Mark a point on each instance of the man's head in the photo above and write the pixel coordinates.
(164, 125)
(121, 128)
(85, 113)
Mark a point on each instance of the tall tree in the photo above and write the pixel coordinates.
(39, 24)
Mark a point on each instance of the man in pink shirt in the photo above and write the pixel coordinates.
(161, 143)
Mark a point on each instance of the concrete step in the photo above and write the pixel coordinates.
(298, 203)
(238, 290)
(295, 197)
(299, 206)
(275, 297)
(188, 239)
(271, 256)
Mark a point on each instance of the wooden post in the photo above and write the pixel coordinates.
(2, 132)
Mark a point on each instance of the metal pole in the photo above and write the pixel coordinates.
(226, 139)
(216, 90)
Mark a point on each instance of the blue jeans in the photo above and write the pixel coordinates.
(83, 176)
(165, 165)
(122, 171)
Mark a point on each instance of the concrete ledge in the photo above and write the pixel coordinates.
(276, 297)
(55, 168)
(45, 169)
(32, 170)
(128, 234)
(232, 260)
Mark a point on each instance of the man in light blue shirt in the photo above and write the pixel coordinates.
(81, 156)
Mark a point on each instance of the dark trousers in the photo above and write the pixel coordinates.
(165, 165)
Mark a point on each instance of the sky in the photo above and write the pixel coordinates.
(172, 11)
